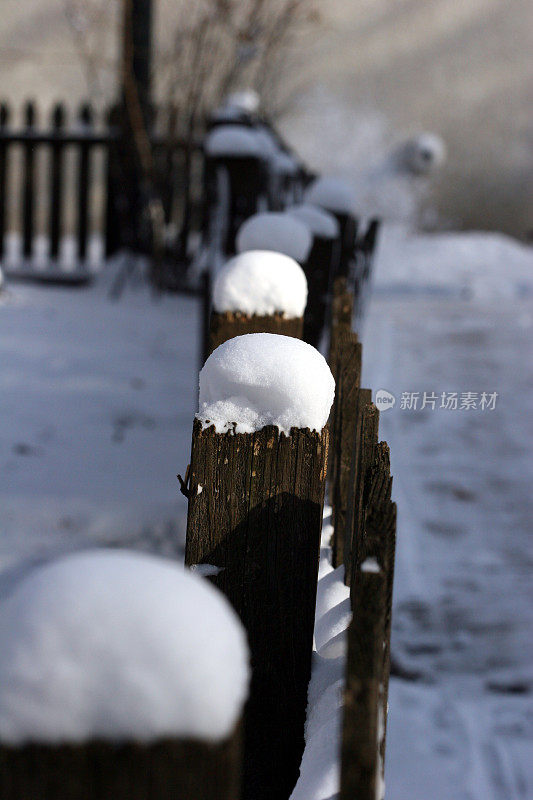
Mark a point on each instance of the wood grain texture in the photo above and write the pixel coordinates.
(258, 519)
(166, 770)
(361, 767)
(229, 324)
(341, 319)
(376, 540)
(318, 269)
(366, 436)
(346, 429)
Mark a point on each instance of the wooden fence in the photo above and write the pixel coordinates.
(259, 503)
(67, 175)
(255, 500)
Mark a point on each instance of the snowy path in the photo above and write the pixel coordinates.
(465, 510)
(96, 406)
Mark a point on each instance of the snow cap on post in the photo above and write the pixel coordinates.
(263, 379)
(244, 100)
(319, 222)
(121, 646)
(276, 231)
(233, 140)
(261, 282)
(333, 194)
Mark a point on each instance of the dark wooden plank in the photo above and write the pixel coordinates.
(341, 319)
(233, 323)
(255, 512)
(361, 767)
(169, 177)
(4, 121)
(56, 180)
(340, 326)
(318, 271)
(165, 770)
(364, 449)
(376, 540)
(86, 120)
(205, 322)
(114, 202)
(28, 185)
(346, 426)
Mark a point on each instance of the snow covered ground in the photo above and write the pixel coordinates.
(462, 481)
(97, 403)
(96, 407)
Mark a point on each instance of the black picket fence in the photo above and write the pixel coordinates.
(70, 175)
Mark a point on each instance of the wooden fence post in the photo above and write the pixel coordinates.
(364, 447)
(4, 120)
(318, 267)
(228, 324)
(361, 767)
(348, 409)
(377, 540)
(56, 180)
(84, 165)
(255, 509)
(166, 770)
(139, 694)
(258, 291)
(371, 583)
(28, 184)
(341, 319)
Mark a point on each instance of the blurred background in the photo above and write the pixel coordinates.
(356, 77)
(424, 108)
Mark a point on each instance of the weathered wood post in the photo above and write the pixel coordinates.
(256, 489)
(133, 692)
(318, 267)
(365, 247)
(361, 766)
(340, 327)
(349, 403)
(368, 659)
(341, 319)
(365, 445)
(339, 198)
(376, 540)
(258, 292)
(236, 184)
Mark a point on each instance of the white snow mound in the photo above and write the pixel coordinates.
(319, 222)
(333, 194)
(275, 231)
(265, 379)
(284, 164)
(122, 646)
(245, 100)
(233, 140)
(261, 282)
